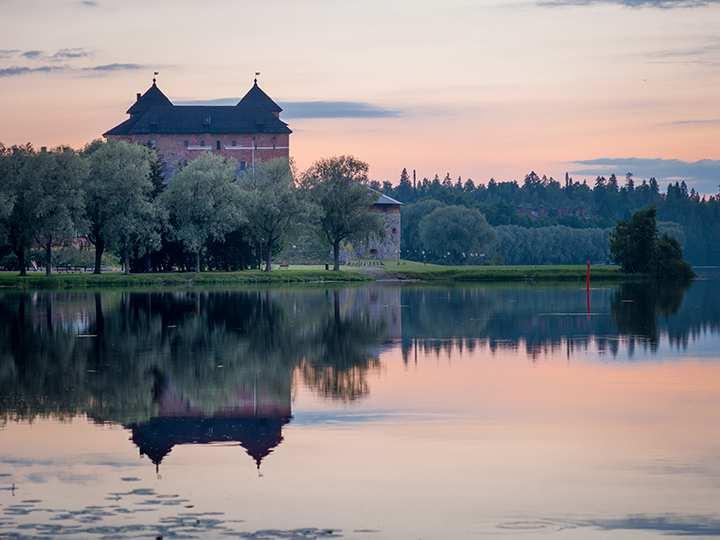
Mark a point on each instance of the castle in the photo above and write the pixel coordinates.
(249, 132)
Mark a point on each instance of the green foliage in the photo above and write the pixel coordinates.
(203, 203)
(549, 245)
(119, 211)
(455, 234)
(338, 186)
(539, 201)
(273, 204)
(635, 245)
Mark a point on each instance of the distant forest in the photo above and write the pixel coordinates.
(543, 220)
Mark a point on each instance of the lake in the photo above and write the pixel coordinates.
(374, 411)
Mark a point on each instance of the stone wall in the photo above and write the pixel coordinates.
(387, 247)
(177, 150)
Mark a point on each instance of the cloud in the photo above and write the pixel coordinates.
(69, 53)
(694, 122)
(659, 4)
(17, 71)
(32, 55)
(114, 67)
(89, 3)
(315, 109)
(703, 175)
(73, 52)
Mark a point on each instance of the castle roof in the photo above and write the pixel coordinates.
(384, 200)
(153, 97)
(154, 113)
(257, 99)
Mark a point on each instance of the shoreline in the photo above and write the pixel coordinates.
(417, 273)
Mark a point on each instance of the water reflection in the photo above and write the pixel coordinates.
(187, 367)
(405, 411)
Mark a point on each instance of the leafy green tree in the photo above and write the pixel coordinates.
(455, 233)
(411, 246)
(273, 204)
(633, 242)
(203, 203)
(7, 198)
(118, 209)
(60, 199)
(22, 173)
(636, 246)
(338, 186)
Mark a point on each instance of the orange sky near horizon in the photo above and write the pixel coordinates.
(478, 89)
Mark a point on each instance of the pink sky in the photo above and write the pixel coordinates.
(477, 89)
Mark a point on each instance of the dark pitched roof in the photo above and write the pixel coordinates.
(154, 113)
(257, 99)
(152, 98)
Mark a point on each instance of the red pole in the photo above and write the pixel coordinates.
(587, 287)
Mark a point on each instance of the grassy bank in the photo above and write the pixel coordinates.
(404, 271)
(435, 272)
(116, 279)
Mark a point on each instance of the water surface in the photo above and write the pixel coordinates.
(508, 411)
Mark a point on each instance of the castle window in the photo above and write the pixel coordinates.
(202, 143)
(394, 230)
(187, 143)
(234, 143)
(217, 145)
(243, 165)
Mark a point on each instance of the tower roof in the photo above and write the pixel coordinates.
(257, 99)
(153, 97)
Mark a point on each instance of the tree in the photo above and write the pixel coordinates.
(118, 208)
(632, 243)
(338, 186)
(21, 173)
(203, 203)
(272, 203)
(636, 246)
(59, 203)
(456, 232)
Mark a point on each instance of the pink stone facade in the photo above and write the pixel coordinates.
(177, 150)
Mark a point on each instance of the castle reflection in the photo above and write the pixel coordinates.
(200, 367)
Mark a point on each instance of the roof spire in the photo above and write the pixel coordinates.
(155, 74)
(257, 74)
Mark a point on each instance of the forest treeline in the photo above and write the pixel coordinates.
(541, 219)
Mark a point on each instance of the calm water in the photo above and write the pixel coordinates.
(366, 412)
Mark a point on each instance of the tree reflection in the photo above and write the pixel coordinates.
(178, 367)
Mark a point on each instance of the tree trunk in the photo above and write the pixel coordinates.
(21, 261)
(99, 249)
(336, 256)
(197, 261)
(48, 257)
(268, 257)
(126, 265)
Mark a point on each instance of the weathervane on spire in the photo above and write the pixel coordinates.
(155, 74)
(257, 74)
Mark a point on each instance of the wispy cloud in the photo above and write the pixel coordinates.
(89, 3)
(17, 71)
(69, 53)
(694, 122)
(703, 175)
(315, 109)
(658, 4)
(114, 67)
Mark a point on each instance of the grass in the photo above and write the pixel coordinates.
(37, 280)
(550, 272)
(406, 270)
